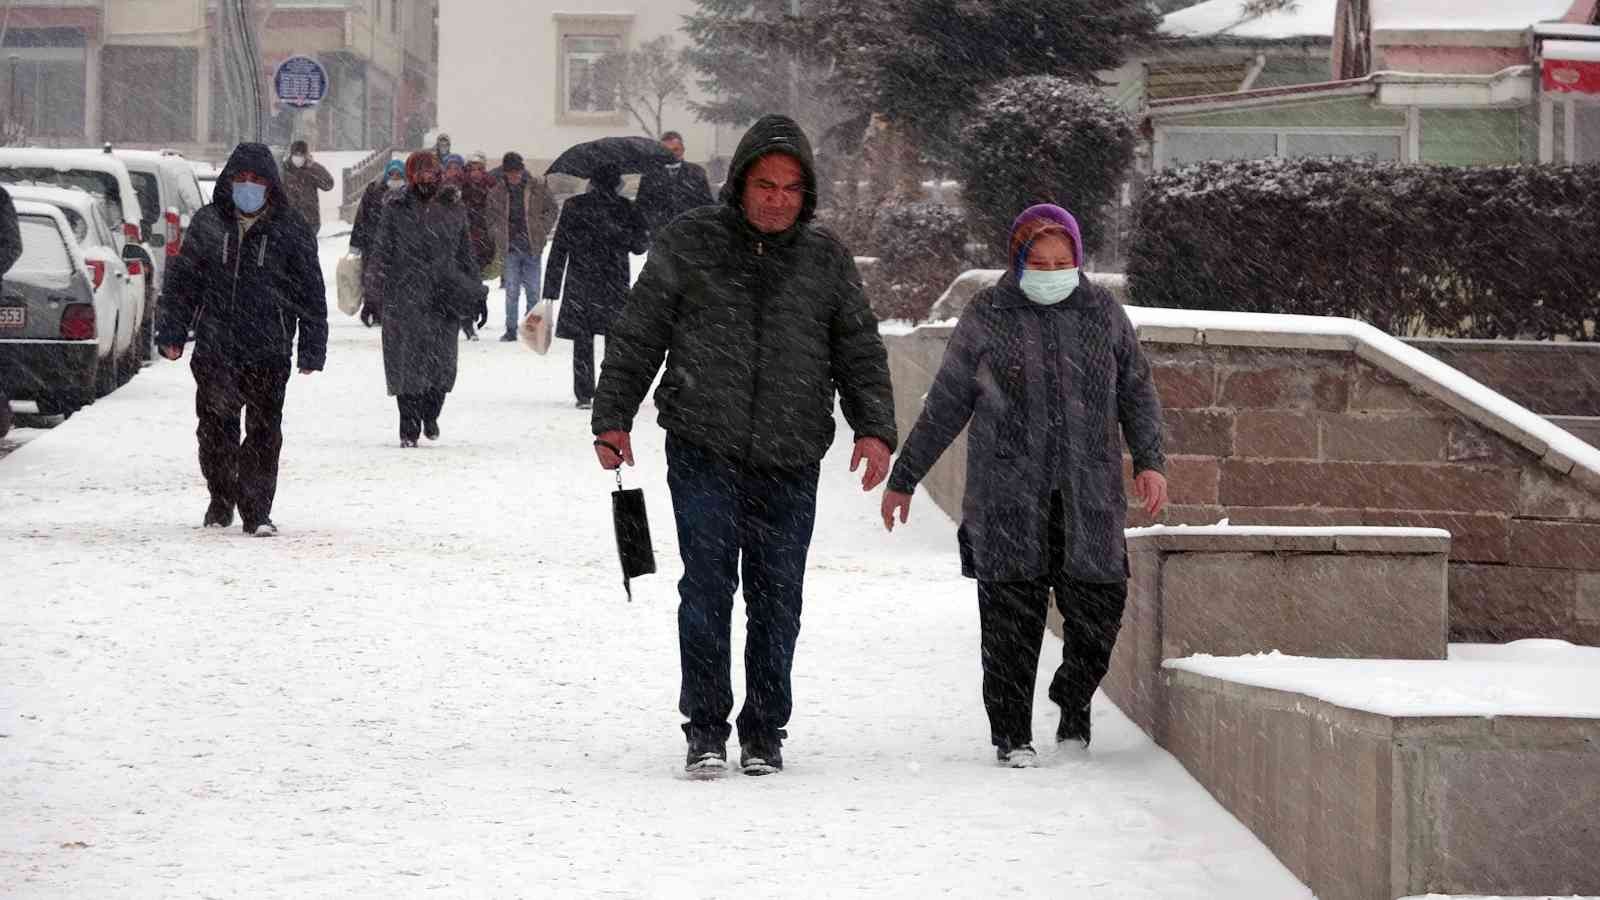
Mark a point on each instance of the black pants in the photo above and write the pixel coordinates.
(241, 473)
(1011, 616)
(583, 368)
(734, 518)
(416, 409)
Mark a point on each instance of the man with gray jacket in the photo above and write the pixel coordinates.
(760, 317)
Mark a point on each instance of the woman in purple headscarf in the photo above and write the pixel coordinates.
(1046, 369)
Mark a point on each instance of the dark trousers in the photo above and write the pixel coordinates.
(241, 473)
(416, 409)
(583, 368)
(1011, 617)
(735, 519)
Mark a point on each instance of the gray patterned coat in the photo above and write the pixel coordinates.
(1039, 425)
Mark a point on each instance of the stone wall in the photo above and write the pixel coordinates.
(1319, 429)
(1552, 378)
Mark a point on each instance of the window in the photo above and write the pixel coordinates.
(1369, 147)
(1181, 146)
(100, 184)
(43, 250)
(44, 81)
(1586, 133)
(581, 57)
(149, 94)
(149, 191)
(1184, 148)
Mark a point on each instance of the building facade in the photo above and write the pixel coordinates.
(546, 56)
(145, 73)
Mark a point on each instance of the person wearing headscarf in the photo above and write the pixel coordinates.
(420, 246)
(1045, 372)
(588, 269)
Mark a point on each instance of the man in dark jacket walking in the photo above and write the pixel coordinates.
(764, 317)
(247, 281)
(303, 177)
(666, 192)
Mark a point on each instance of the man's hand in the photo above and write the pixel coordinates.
(893, 502)
(306, 371)
(173, 352)
(483, 314)
(609, 459)
(876, 453)
(1151, 488)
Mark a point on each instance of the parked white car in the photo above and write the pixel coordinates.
(105, 176)
(64, 323)
(88, 216)
(169, 196)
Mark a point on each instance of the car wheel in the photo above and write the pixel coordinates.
(55, 406)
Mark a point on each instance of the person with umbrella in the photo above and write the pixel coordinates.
(667, 191)
(588, 269)
(419, 249)
(520, 212)
(760, 318)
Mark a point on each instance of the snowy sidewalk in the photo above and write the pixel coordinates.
(431, 682)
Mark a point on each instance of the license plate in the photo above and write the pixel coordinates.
(13, 316)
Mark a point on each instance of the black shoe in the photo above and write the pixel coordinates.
(263, 528)
(585, 404)
(407, 442)
(761, 756)
(508, 337)
(1074, 726)
(1016, 756)
(219, 514)
(430, 429)
(706, 758)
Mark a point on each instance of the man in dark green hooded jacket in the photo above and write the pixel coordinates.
(761, 321)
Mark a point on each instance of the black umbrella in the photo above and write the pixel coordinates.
(633, 533)
(629, 154)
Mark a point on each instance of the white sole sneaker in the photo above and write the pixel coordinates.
(707, 765)
(1021, 758)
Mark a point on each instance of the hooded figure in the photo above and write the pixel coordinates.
(1046, 373)
(594, 235)
(247, 281)
(372, 196)
(303, 177)
(421, 237)
(761, 321)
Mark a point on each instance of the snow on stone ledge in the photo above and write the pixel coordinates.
(1222, 528)
(1465, 15)
(1304, 18)
(1537, 678)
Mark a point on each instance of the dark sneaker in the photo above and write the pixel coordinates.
(761, 757)
(706, 758)
(1074, 728)
(1021, 756)
(407, 442)
(430, 429)
(261, 529)
(508, 337)
(585, 404)
(219, 514)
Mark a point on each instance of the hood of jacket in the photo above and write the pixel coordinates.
(772, 134)
(256, 159)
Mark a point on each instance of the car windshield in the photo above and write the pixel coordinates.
(101, 184)
(80, 228)
(148, 188)
(43, 251)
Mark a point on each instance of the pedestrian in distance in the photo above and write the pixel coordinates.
(420, 247)
(666, 192)
(521, 212)
(588, 269)
(248, 282)
(760, 317)
(475, 194)
(368, 213)
(453, 189)
(1045, 371)
(441, 148)
(303, 177)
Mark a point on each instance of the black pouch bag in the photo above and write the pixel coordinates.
(633, 534)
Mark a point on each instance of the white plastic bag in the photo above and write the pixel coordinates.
(535, 331)
(349, 278)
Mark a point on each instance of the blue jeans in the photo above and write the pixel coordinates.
(521, 276)
(726, 510)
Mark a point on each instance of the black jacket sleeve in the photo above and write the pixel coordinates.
(184, 287)
(637, 343)
(703, 188)
(10, 234)
(311, 299)
(1138, 404)
(948, 408)
(859, 363)
(555, 268)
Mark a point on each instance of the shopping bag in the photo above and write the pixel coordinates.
(349, 284)
(535, 331)
(633, 534)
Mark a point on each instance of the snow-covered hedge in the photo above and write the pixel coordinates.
(921, 248)
(1043, 139)
(1458, 252)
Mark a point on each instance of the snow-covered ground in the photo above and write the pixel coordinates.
(431, 682)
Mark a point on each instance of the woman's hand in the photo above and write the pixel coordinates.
(894, 501)
(1151, 488)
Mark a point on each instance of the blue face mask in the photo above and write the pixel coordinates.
(1048, 288)
(249, 197)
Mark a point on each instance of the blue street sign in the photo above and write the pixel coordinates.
(300, 82)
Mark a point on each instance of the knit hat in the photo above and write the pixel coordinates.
(455, 158)
(478, 156)
(512, 161)
(395, 167)
(1043, 218)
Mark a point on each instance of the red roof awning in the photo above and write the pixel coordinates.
(1570, 67)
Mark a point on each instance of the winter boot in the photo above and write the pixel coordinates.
(430, 429)
(263, 528)
(761, 756)
(1074, 728)
(706, 758)
(219, 514)
(1021, 756)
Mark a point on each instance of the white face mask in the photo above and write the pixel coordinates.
(396, 184)
(1048, 288)
(298, 160)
